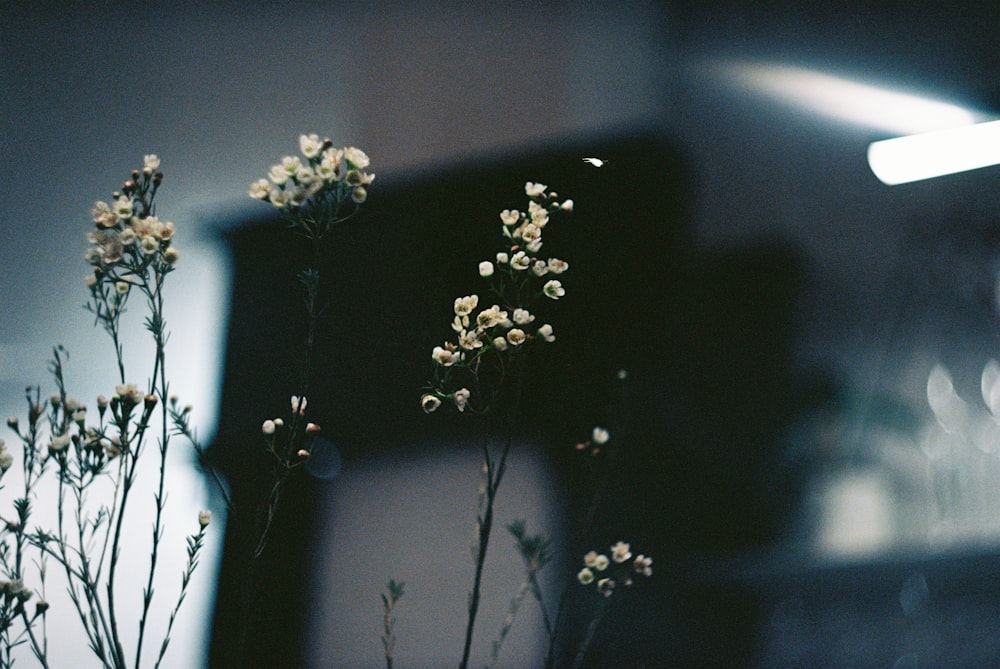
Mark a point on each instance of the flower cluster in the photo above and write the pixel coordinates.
(128, 237)
(497, 332)
(607, 573)
(324, 178)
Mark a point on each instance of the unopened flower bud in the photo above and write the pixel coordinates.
(204, 518)
(55, 399)
(41, 606)
(149, 401)
(6, 460)
(268, 427)
(303, 453)
(12, 422)
(312, 428)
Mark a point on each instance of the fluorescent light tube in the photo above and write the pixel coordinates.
(934, 154)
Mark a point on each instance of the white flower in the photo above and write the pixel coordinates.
(545, 332)
(557, 266)
(606, 587)
(553, 289)
(59, 443)
(643, 565)
(462, 398)
(585, 576)
(531, 233)
(278, 175)
(516, 336)
(620, 552)
(520, 261)
(268, 427)
(359, 194)
(539, 268)
(150, 162)
(445, 357)
(502, 258)
(469, 340)
(310, 145)
(510, 217)
(465, 305)
(259, 189)
(486, 269)
(590, 559)
(6, 460)
(596, 162)
(523, 316)
(356, 158)
(429, 403)
(567, 205)
(299, 405)
(488, 318)
(278, 198)
(601, 562)
(533, 189)
(500, 344)
(123, 207)
(204, 518)
(305, 175)
(539, 215)
(291, 165)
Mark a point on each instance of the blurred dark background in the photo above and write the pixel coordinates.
(806, 449)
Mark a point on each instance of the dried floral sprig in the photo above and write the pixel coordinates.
(469, 370)
(394, 591)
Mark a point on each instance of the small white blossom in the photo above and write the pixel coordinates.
(204, 518)
(557, 266)
(539, 268)
(469, 340)
(486, 269)
(643, 565)
(356, 157)
(553, 289)
(500, 344)
(491, 317)
(310, 145)
(465, 305)
(59, 443)
(278, 175)
(600, 436)
(520, 261)
(621, 552)
(299, 404)
(523, 316)
(445, 357)
(502, 258)
(534, 189)
(123, 207)
(585, 576)
(291, 165)
(150, 162)
(510, 217)
(268, 427)
(606, 587)
(545, 332)
(429, 403)
(462, 398)
(516, 336)
(567, 205)
(539, 215)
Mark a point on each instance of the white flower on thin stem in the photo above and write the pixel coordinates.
(310, 145)
(486, 269)
(600, 436)
(465, 305)
(429, 403)
(204, 518)
(502, 258)
(539, 215)
(553, 289)
(534, 189)
(601, 562)
(59, 443)
(590, 559)
(516, 337)
(469, 340)
(585, 576)
(291, 165)
(123, 207)
(539, 268)
(150, 162)
(445, 357)
(567, 205)
(557, 266)
(278, 198)
(268, 427)
(500, 344)
(523, 316)
(520, 261)
(491, 317)
(510, 217)
(462, 398)
(356, 157)
(278, 175)
(621, 552)
(643, 565)
(545, 332)
(259, 189)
